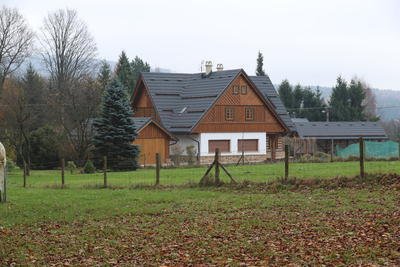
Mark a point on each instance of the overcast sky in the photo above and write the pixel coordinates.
(308, 42)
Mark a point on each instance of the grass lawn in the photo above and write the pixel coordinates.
(42, 225)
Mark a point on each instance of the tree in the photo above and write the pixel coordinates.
(124, 73)
(260, 64)
(297, 96)
(286, 94)
(356, 99)
(15, 42)
(68, 50)
(369, 102)
(347, 101)
(339, 101)
(138, 66)
(45, 144)
(313, 105)
(104, 75)
(115, 130)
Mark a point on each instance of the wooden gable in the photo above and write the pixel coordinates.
(152, 139)
(142, 104)
(239, 97)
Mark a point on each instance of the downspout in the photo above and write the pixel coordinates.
(198, 149)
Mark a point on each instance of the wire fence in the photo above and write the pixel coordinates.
(160, 174)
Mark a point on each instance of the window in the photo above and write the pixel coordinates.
(249, 114)
(248, 145)
(244, 89)
(236, 89)
(229, 114)
(223, 145)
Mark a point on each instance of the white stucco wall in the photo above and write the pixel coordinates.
(185, 141)
(233, 137)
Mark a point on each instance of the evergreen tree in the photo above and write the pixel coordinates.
(347, 101)
(260, 64)
(286, 94)
(124, 73)
(35, 94)
(115, 130)
(356, 99)
(339, 102)
(313, 105)
(104, 75)
(297, 96)
(138, 66)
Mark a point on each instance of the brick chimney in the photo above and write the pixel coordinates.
(220, 67)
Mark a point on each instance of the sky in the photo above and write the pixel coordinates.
(309, 42)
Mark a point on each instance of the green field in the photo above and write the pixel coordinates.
(123, 225)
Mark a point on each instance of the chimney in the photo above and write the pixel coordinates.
(208, 67)
(220, 67)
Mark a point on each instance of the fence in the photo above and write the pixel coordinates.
(289, 167)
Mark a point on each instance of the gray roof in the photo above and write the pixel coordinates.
(181, 99)
(294, 120)
(340, 130)
(139, 122)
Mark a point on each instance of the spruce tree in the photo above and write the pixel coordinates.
(260, 64)
(356, 98)
(297, 96)
(339, 102)
(115, 130)
(286, 94)
(124, 73)
(104, 75)
(138, 66)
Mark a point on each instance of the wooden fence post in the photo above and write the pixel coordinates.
(216, 160)
(24, 173)
(286, 161)
(158, 167)
(62, 173)
(362, 173)
(5, 183)
(105, 171)
(332, 150)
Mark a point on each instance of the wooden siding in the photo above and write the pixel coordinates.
(215, 120)
(142, 105)
(151, 140)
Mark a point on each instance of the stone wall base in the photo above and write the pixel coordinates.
(234, 159)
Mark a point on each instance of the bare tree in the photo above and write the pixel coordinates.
(15, 42)
(69, 49)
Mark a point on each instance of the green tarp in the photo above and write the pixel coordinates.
(386, 149)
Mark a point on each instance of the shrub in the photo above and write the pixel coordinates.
(176, 155)
(11, 166)
(89, 167)
(191, 155)
(71, 166)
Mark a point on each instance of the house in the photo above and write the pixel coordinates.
(225, 109)
(152, 138)
(324, 136)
